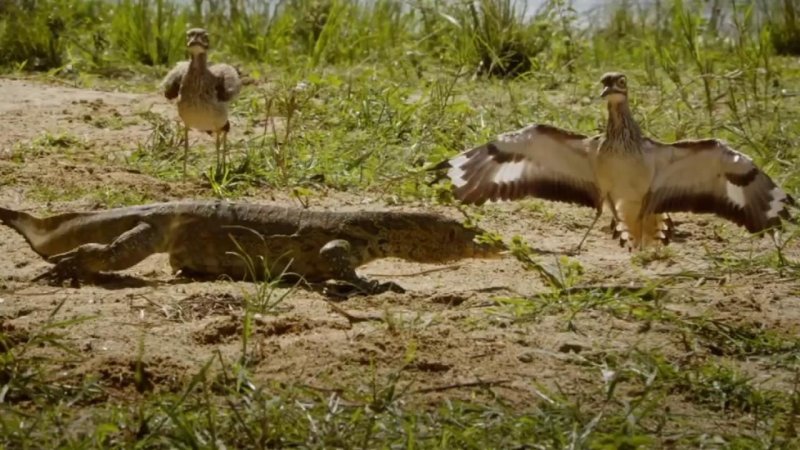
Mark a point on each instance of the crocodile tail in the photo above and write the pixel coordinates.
(23, 223)
(17, 220)
(37, 231)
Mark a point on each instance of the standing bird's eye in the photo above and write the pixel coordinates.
(621, 83)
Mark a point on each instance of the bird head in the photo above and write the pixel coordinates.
(615, 86)
(197, 40)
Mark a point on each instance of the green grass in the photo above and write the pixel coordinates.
(361, 97)
(221, 405)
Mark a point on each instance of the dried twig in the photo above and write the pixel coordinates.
(447, 387)
(352, 318)
(415, 274)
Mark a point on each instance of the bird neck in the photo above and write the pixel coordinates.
(621, 124)
(199, 61)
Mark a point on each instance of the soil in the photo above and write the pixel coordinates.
(448, 317)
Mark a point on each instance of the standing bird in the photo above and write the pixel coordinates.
(639, 178)
(203, 93)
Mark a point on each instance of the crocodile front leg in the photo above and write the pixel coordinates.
(338, 255)
(128, 249)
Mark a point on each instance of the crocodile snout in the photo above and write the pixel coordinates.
(482, 248)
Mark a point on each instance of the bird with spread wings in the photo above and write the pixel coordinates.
(638, 178)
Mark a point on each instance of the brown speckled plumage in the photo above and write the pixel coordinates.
(638, 178)
(203, 93)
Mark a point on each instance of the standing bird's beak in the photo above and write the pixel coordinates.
(195, 41)
(606, 91)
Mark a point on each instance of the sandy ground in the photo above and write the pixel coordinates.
(448, 315)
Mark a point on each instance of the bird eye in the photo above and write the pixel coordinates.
(621, 82)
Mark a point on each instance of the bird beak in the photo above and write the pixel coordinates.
(606, 91)
(196, 41)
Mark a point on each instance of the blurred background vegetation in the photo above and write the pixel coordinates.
(495, 37)
(395, 84)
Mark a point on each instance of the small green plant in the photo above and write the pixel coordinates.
(658, 253)
(738, 340)
(563, 274)
(722, 388)
(161, 153)
(265, 296)
(52, 193)
(287, 101)
(114, 198)
(26, 376)
(222, 180)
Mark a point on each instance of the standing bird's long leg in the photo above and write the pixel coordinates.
(185, 149)
(597, 217)
(224, 150)
(217, 136)
(586, 235)
(614, 212)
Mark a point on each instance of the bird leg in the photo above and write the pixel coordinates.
(185, 149)
(217, 136)
(224, 150)
(586, 235)
(597, 217)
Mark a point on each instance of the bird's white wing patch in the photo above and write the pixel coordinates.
(537, 161)
(708, 176)
(778, 203)
(455, 173)
(510, 172)
(735, 194)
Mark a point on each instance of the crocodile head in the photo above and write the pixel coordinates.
(431, 238)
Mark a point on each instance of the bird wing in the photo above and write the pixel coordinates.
(228, 82)
(172, 81)
(538, 160)
(707, 176)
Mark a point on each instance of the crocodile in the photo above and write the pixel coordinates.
(245, 241)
